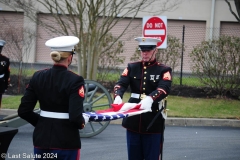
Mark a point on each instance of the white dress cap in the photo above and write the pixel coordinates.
(147, 41)
(2, 42)
(63, 43)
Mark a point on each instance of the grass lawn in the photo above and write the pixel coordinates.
(203, 108)
(178, 107)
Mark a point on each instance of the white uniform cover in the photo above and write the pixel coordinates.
(116, 112)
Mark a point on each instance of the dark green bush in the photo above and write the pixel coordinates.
(217, 64)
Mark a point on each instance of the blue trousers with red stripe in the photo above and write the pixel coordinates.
(143, 146)
(56, 154)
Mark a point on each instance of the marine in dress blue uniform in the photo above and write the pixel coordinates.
(60, 94)
(4, 71)
(149, 82)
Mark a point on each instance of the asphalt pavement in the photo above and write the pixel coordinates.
(181, 143)
(185, 139)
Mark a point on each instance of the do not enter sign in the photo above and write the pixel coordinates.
(156, 27)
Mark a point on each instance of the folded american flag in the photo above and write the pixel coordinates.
(116, 112)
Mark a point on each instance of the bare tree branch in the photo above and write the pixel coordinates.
(90, 20)
(237, 3)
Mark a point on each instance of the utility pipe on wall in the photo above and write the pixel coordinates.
(212, 20)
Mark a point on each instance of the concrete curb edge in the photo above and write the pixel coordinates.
(172, 121)
(195, 122)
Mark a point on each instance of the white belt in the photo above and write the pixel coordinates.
(138, 96)
(1, 75)
(54, 115)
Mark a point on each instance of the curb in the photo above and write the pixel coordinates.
(195, 122)
(202, 122)
(7, 111)
(171, 121)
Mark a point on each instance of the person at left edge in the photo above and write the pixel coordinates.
(60, 94)
(4, 71)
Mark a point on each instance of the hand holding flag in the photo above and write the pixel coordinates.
(146, 103)
(117, 111)
(117, 100)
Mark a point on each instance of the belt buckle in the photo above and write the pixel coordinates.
(142, 96)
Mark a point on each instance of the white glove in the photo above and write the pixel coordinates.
(86, 117)
(146, 103)
(117, 100)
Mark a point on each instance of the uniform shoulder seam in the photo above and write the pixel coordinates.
(73, 72)
(134, 62)
(42, 69)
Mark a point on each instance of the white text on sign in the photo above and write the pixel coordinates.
(156, 25)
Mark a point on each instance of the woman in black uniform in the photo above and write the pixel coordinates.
(60, 94)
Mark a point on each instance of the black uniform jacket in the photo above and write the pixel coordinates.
(150, 79)
(4, 73)
(57, 90)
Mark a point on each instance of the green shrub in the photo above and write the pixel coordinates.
(217, 64)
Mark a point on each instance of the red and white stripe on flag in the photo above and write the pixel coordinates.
(117, 111)
(126, 108)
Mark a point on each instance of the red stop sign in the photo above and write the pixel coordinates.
(155, 28)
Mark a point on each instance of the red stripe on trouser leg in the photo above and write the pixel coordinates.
(78, 155)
